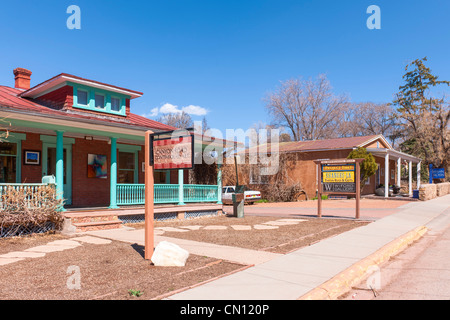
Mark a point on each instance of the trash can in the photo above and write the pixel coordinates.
(416, 194)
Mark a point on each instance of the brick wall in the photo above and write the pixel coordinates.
(31, 173)
(89, 191)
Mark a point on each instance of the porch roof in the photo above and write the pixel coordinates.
(393, 154)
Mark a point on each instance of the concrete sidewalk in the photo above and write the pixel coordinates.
(316, 271)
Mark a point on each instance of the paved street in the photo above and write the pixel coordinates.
(422, 272)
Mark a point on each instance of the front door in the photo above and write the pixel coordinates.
(49, 167)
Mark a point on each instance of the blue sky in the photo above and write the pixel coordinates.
(225, 56)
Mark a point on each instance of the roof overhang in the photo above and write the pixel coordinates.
(61, 79)
(393, 154)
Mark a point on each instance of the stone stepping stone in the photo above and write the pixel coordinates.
(264, 227)
(23, 254)
(47, 249)
(279, 223)
(215, 227)
(5, 261)
(65, 243)
(192, 227)
(292, 220)
(241, 227)
(171, 229)
(92, 240)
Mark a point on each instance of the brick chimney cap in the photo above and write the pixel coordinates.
(22, 71)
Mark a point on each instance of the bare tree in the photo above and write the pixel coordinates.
(308, 108)
(180, 120)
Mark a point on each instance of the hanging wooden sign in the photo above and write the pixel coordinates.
(169, 151)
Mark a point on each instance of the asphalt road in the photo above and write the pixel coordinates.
(421, 272)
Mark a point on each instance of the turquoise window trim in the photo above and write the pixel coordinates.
(52, 139)
(91, 97)
(14, 137)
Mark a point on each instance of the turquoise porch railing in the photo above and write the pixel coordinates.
(133, 194)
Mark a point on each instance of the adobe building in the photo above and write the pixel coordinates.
(303, 169)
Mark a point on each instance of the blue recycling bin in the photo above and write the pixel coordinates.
(416, 194)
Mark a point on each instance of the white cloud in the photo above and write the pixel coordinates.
(170, 108)
(196, 110)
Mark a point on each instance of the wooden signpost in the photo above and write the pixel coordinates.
(341, 176)
(165, 151)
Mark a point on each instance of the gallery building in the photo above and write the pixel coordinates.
(83, 133)
(302, 168)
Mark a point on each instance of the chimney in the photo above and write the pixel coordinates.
(22, 77)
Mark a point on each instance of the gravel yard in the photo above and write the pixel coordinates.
(113, 270)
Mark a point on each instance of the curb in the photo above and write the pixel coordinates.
(343, 282)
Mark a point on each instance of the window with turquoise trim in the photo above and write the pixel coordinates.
(126, 168)
(94, 99)
(82, 97)
(8, 154)
(99, 101)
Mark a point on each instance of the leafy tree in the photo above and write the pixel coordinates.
(368, 167)
(425, 119)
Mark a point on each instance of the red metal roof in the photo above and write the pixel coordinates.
(320, 145)
(9, 98)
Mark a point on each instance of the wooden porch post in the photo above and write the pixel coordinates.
(60, 167)
(113, 174)
(399, 172)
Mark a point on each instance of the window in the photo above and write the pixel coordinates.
(126, 167)
(159, 177)
(99, 101)
(8, 154)
(115, 104)
(82, 97)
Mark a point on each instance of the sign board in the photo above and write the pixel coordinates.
(338, 178)
(172, 151)
(438, 173)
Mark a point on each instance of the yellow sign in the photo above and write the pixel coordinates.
(338, 168)
(339, 176)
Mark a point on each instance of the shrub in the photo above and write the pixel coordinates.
(30, 207)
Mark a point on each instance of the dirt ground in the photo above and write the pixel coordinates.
(110, 271)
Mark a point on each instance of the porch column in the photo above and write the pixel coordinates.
(418, 174)
(386, 175)
(113, 174)
(167, 176)
(59, 167)
(399, 172)
(219, 183)
(180, 187)
(410, 178)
